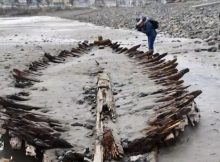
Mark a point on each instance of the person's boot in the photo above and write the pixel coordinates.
(150, 51)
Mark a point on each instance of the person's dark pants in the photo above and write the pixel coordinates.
(151, 39)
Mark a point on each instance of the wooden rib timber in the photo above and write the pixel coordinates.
(177, 105)
(19, 124)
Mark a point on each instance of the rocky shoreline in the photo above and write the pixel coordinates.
(180, 20)
(176, 19)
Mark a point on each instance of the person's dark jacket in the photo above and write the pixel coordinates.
(148, 28)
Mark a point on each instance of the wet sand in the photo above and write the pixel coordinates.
(25, 39)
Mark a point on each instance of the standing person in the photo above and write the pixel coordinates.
(148, 26)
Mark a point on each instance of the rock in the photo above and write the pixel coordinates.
(39, 47)
(138, 158)
(2, 131)
(80, 102)
(34, 88)
(115, 93)
(181, 20)
(49, 156)
(43, 89)
(120, 85)
(212, 49)
(77, 124)
(148, 157)
(89, 134)
(88, 126)
(197, 42)
(101, 47)
(86, 151)
(204, 49)
(174, 53)
(22, 49)
(211, 43)
(125, 143)
(7, 67)
(92, 121)
(72, 156)
(30, 150)
(16, 143)
(59, 152)
(197, 50)
(87, 160)
(142, 94)
(24, 84)
(44, 111)
(86, 41)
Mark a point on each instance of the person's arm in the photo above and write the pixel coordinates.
(138, 28)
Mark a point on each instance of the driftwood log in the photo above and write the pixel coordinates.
(108, 145)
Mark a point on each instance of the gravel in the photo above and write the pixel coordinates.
(176, 19)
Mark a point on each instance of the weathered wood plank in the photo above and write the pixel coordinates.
(108, 143)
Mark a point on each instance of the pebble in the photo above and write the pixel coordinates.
(80, 102)
(197, 42)
(44, 111)
(34, 88)
(212, 49)
(71, 155)
(197, 50)
(142, 94)
(43, 89)
(87, 160)
(7, 67)
(211, 43)
(77, 124)
(101, 47)
(180, 21)
(88, 126)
